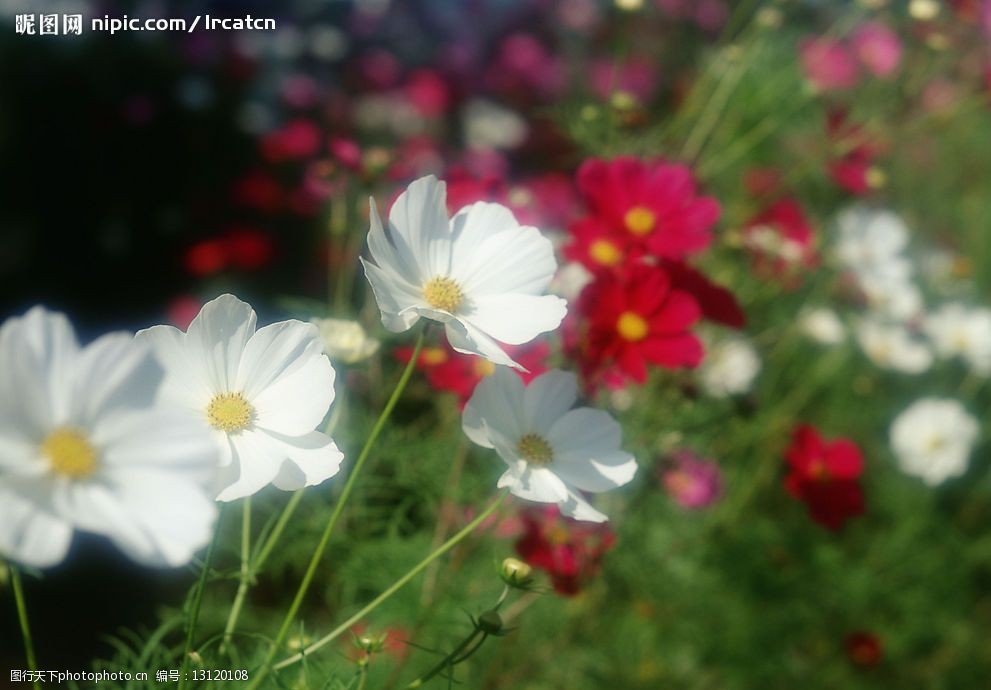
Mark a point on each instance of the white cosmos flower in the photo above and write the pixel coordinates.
(891, 346)
(892, 298)
(345, 341)
(957, 330)
(263, 393)
(480, 273)
(84, 445)
(932, 439)
(872, 241)
(823, 325)
(553, 452)
(729, 368)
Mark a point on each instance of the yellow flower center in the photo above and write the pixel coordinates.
(631, 326)
(605, 252)
(535, 449)
(484, 367)
(639, 220)
(443, 293)
(432, 356)
(69, 453)
(229, 412)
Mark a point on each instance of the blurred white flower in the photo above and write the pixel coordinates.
(480, 273)
(822, 325)
(570, 280)
(553, 452)
(957, 330)
(729, 368)
(932, 439)
(891, 346)
(263, 393)
(84, 445)
(488, 125)
(345, 341)
(872, 241)
(892, 298)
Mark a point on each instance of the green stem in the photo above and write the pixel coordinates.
(447, 660)
(22, 616)
(244, 580)
(335, 516)
(397, 585)
(277, 531)
(194, 613)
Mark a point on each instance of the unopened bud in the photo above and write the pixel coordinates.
(371, 644)
(490, 622)
(515, 572)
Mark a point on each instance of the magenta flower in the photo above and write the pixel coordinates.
(878, 48)
(690, 480)
(828, 64)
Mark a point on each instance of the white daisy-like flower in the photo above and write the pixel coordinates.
(891, 346)
(933, 438)
(553, 451)
(872, 241)
(957, 330)
(84, 445)
(345, 341)
(823, 325)
(729, 368)
(263, 393)
(897, 299)
(480, 273)
(570, 280)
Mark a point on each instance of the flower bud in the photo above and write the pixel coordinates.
(490, 622)
(515, 572)
(371, 644)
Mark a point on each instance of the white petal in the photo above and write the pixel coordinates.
(397, 299)
(257, 459)
(391, 253)
(513, 261)
(497, 404)
(578, 508)
(298, 401)
(218, 335)
(516, 319)
(587, 453)
(115, 372)
(541, 485)
(472, 225)
(29, 534)
(419, 216)
(547, 398)
(467, 339)
(275, 352)
(312, 459)
(187, 380)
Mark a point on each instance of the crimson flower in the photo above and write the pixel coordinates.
(864, 648)
(569, 551)
(629, 319)
(651, 207)
(781, 240)
(824, 475)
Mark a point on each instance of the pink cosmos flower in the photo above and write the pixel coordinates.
(828, 64)
(878, 48)
(691, 481)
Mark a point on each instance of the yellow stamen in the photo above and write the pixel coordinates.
(484, 367)
(535, 449)
(229, 412)
(605, 252)
(432, 356)
(639, 220)
(69, 453)
(631, 326)
(443, 293)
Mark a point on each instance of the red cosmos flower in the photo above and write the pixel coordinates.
(864, 648)
(781, 240)
(448, 370)
(854, 168)
(824, 475)
(244, 249)
(569, 551)
(632, 318)
(648, 208)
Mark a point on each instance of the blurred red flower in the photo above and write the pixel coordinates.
(864, 648)
(781, 241)
(569, 551)
(824, 475)
(448, 370)
(648, 208)
(630, 318)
